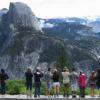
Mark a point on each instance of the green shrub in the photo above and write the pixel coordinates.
(19, 87)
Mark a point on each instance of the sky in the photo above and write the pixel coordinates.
(59, 8)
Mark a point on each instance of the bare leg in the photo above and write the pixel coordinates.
(54, 90)
(49, 93)
(27, 92)
(30, 92)
(74, 92)
(46, 92)
(57, 89)
(64, 91)
(67, 92)
(93, 90)
(99, 92)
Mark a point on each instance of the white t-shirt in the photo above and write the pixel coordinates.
(66, 78)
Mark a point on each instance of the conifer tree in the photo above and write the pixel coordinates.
(62, 60)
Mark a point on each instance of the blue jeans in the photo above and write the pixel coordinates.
(37, 86)
(3, 87)
(29, 84)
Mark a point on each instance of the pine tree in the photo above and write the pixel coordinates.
(62, 60)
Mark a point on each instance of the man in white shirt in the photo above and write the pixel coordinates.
(66, 80)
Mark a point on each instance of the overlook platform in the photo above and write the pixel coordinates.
(42, 97)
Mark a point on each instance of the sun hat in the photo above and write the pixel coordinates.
(55, 70)
(65, 68)
(92, 72)
(38, 68)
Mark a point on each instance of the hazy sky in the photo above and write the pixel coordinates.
(59, 8)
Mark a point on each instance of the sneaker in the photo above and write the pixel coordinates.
(39, 96)
(30, 95)
(49, 96)
(64, 95)
(35, 96)
(67, 95)
(54, 96)
(58, 95)
(74, 96)
(27, 95)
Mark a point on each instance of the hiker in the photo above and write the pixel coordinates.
(29, 82)
(98, 80)
(37, 76)
(48, 78)
(56, 83)
(66, 80)
(82, 84)
(92, 83)
(74, 84)
(3, 77)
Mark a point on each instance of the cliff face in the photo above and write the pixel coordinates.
(19, 14)
(23, 44)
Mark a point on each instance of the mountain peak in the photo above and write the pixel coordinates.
(19, 14)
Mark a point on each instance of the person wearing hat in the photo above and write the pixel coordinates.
(66, 80)
(37, 76)
(56, 83)
(29, 82)
(92, 83)
(82, 84)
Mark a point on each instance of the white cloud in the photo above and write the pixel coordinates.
(54, 8)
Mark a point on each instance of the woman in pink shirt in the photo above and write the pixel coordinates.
(82, 84)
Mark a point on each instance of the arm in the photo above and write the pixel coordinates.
(31, 75)
(7, 76)
(41, 75)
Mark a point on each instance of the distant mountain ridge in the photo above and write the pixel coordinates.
(23, 43)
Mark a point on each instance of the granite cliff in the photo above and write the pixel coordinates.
(23, 44)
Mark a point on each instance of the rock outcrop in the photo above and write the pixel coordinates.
(19, 14)
(23, 44)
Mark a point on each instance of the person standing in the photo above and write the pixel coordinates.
(29, 82)
(98, 80)
(92, 83)
(82, 84)
(3, 77)
(74, 78)
(37, 76)
(48, 78)
(66, 80)
(56, 83)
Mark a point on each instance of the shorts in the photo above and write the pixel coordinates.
(49, 85)
(56, 84)
(92, 84)
(66, 85)
(74, 87)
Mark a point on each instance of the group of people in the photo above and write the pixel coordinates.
(54, 78)
(67, 77)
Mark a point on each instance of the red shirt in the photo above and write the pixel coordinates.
(82, 79)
